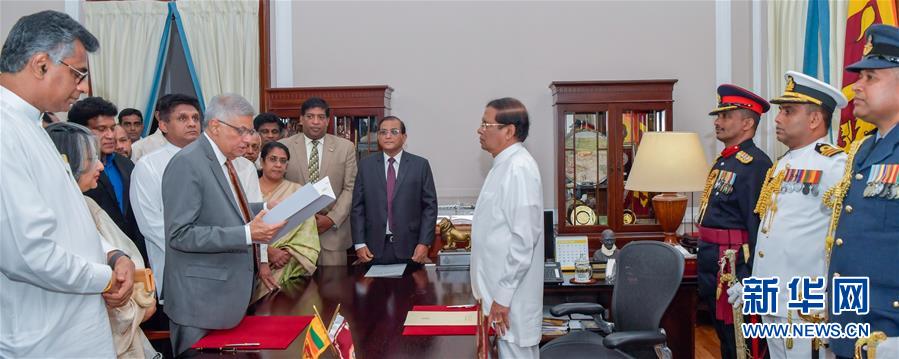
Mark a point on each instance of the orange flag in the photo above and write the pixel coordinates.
(861, 15)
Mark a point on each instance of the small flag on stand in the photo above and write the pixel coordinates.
(340, 336)
(316, 340)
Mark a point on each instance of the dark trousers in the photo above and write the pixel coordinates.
(388, 254)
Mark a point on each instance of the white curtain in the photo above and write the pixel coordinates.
(786, 45)
(122, 70)
(786, 42)
(223, 37)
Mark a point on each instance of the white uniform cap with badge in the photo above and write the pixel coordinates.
(802, 88)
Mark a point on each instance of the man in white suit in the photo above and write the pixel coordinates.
(507, 233)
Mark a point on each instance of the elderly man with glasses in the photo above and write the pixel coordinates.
(55, 273)
(402, 183)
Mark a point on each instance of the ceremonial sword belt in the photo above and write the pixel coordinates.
(734, 239)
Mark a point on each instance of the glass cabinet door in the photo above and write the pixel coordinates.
(362, 131)
(586, 168)
(634, 123)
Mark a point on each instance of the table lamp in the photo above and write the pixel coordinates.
(669, 162)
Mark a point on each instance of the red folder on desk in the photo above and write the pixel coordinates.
(443, 329)
(256, 332)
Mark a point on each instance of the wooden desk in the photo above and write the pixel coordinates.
(376, 309)
(679, 319)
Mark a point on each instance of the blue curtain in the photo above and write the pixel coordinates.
(160, 65)
(817, 32)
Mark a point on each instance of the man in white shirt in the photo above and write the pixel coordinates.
(507, 233)
(53, 265)
(179, 118)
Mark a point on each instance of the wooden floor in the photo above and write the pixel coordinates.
(707, 346)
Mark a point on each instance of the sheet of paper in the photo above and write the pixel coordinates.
(301, 205)
(418, 318)
(389, 270)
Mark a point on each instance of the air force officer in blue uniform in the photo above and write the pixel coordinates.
(866, 241)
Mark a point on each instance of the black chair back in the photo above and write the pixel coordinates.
(649, 274)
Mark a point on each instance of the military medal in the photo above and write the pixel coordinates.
(891, 172)
(875, 181)
(729, 185)
(786, 185)
(810, 180)
(718, 181)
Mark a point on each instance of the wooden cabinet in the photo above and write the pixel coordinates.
(355, 110)
(598, 129)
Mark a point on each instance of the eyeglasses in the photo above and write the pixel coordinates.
(312, 116)
(79, 76)
(484, 125)
(241, 131)
(282, 160)
(392, 131)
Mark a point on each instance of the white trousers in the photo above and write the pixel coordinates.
(509, 350)
(887, 349)
(802, 348)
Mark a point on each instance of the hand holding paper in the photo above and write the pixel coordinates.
(262, 232)
(301, 205)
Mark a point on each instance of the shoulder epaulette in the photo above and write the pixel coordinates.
(827, 150)
(744, 157)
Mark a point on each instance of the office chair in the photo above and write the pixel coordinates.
(649, 274)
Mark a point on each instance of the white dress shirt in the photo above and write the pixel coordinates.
(147, 145)
(396, 168)
(52, 262)
(146, 200)
(794, 242)
(507, 243)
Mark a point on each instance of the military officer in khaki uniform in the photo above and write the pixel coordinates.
(794, 221)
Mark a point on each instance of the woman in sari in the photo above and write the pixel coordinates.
(295, 254)
(78, 147)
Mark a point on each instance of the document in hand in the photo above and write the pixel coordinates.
(301, 205)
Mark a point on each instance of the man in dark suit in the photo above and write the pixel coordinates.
(210, 229)
(112, 189)
(394, 202)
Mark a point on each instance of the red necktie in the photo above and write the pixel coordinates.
(391, 182)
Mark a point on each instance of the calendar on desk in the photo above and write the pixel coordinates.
(569, 249)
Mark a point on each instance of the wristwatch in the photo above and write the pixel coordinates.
(116, 254)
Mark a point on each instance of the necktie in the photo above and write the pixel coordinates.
(242, 203)
(313, 162)
(391, 183)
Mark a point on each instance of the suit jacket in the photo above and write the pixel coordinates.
(867, 241)
(104, 195)
(414, 205)
(208, 264)
(338, 163)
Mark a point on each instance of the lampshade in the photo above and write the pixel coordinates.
(668, 162)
